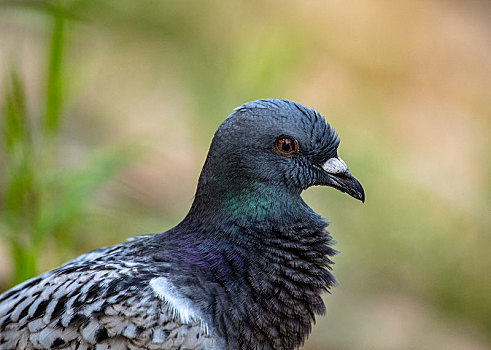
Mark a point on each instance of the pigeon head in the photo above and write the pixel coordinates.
(275, 147)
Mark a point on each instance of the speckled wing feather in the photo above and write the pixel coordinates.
(99, 298)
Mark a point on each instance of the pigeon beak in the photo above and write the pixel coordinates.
(341, 179)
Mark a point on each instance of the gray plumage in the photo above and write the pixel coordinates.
(245, 269)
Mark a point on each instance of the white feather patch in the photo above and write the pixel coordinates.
(180, 306)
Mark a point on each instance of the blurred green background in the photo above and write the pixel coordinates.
(108, 109)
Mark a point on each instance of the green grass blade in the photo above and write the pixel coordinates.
(14, 123)
(54, 86)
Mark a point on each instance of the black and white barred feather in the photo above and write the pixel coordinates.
(104, 299)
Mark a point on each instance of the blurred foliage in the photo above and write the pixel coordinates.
(410, 100)
(40, 201)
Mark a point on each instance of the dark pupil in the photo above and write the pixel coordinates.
(286, 145)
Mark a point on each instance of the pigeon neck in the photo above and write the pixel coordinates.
(227, 202)
(271, 265)
(256, 246)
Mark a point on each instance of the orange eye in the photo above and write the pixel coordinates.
(286, 146)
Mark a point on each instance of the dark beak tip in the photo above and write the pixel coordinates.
(359, 195)
(360, 192)
(346, 182)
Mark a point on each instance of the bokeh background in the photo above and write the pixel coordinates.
(108, 109)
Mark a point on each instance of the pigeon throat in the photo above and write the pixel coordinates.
(252, 202)
(272, 272)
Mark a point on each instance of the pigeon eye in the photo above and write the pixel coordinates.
(286, 146)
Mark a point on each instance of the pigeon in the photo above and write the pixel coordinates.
(244, 269)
